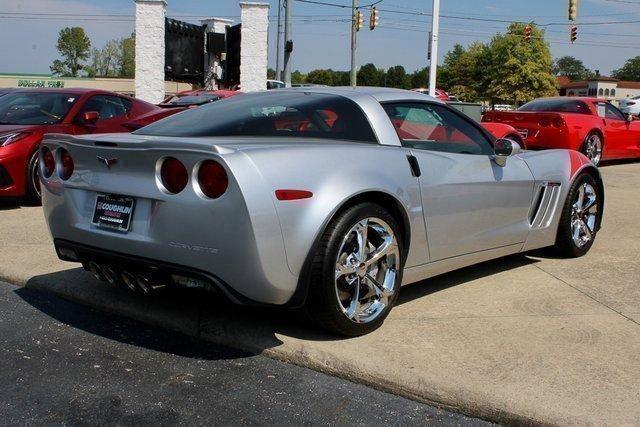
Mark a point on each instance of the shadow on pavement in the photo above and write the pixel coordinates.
(200, 316)
(448, 280)
(9, 204)
(124, 329)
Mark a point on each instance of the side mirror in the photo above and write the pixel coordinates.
(504, 148)
(629, 117)
(90, 117)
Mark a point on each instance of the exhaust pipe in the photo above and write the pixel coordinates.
(129, 280)
(109, 274)
(95, 269)
(147, 286)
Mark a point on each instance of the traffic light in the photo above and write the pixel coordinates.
(359, 20)
(573, 10)
(573, 34)
(527, 33)
(373, 19)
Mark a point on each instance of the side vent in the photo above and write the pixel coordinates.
(545, 204)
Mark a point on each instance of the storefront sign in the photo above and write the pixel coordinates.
(41, 83)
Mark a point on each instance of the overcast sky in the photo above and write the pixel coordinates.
(28, 38)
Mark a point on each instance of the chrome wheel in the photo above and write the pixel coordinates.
(584, 212)
(593, 148)
(366, 270)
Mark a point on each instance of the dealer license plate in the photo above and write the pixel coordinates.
(113, 212)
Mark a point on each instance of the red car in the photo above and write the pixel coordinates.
(504, 131)
(179, 102)
(592, 126)
(27, 114)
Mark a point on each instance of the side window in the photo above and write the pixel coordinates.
(608, 111)
(436, 128)
(107, 106)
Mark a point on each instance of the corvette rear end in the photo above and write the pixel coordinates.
(107, 209)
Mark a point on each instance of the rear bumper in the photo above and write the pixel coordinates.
(216, 242)
(76, 252)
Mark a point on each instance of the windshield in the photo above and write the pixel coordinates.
(275, 113)
(35, 108)
(556, 106)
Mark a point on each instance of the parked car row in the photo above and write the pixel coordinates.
(592, 126)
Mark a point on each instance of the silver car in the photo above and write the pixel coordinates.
(325, 199)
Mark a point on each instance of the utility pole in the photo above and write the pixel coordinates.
(433, 67)
(354, 5)
(288, 43)
(278, 70)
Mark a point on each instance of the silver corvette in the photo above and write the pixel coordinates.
(325, 199)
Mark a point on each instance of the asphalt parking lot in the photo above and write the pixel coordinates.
(526, 338)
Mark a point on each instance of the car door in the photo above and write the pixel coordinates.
(470, 203)
(617, 135)
(113, 113)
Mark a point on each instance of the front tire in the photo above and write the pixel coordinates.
(580, 218)
(32, 186)
(356, 272)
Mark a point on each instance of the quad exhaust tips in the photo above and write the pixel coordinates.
(140, 283)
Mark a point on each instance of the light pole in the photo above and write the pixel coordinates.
(433, 67)
(354, 5)
(288, 44)
(278, 71)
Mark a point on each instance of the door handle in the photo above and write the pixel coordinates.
(413, 165)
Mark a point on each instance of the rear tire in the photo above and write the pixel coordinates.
(353, 286)
(592, 147)
(580, 218)
(32, 185)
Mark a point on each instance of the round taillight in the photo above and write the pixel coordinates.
(557, 122)
(66, 165)
(212, 179)
(544, 122)
(174, 175)
(49, 163)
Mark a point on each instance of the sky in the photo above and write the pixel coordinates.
(29, 29)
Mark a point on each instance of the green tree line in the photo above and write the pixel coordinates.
(115, 59)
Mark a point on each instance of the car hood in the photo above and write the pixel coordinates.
(12, 128)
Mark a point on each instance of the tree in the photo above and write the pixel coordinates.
(397, 77)
(73, 45)
(321, 77)
(516, 70)
(571, 67)
(271, 73)
(369, 75)
(629, 71)
(128, 56)
(419, 78)
(298, 78)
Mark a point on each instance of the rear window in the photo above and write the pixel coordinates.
(281, 114)
(556, 106)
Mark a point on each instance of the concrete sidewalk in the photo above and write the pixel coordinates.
(519, 339)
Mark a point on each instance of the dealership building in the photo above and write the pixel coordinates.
(600, 86)
(114, 84)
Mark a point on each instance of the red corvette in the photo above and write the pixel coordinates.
(592, 126)
(27, 114)
(504, 131)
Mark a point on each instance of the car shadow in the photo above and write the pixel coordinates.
(9, 204)
(617, 162)
(458, 277)
(202, 321)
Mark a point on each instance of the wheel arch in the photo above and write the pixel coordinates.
(595, 174)
(381, 198)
